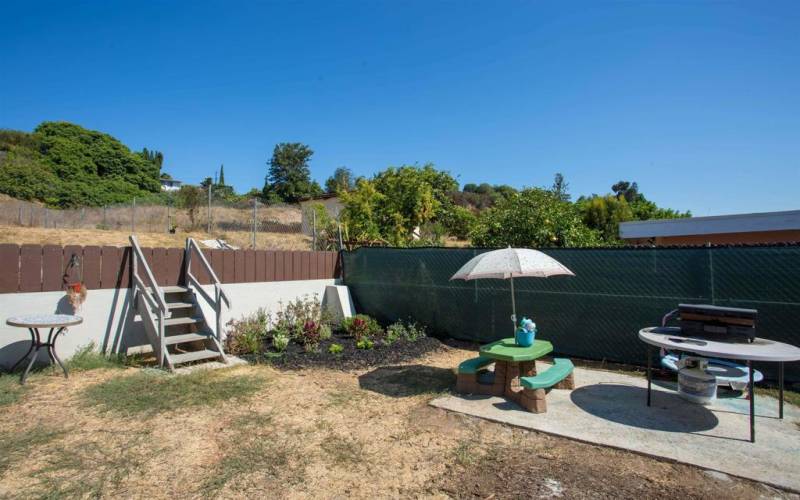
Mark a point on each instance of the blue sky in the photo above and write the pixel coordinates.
(699, 102)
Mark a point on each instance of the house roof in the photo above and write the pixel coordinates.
(718, 224)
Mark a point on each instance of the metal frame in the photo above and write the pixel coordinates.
(36, 344)
(192, 282)
(750, 390)
(153, 294)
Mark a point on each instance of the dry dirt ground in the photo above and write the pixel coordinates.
(21, 235)
(314, 433)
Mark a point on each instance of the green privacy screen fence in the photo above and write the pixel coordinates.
(594, 315)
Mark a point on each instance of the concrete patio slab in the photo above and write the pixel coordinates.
(609, 408)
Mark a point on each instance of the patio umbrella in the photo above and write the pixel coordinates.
(510, 263)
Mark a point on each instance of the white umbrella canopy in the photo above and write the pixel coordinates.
(510, 263)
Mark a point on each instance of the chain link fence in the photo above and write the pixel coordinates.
(241, 224)
(597, 313)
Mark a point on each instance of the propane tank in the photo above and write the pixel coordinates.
(695, 384)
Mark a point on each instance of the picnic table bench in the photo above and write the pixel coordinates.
(515, 376)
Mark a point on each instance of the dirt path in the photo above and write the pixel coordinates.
(316, 433)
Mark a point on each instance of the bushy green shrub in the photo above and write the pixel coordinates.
(310, 335)
(361, 326)
(280, 340)
(325, 331)
(335, 349)
(246, 335)
(295, 314)
(409, 330)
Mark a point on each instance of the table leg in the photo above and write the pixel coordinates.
(780, 389)
(752, 393)
(35, 348)
(649, 370)
(33, 344)
(51, 349)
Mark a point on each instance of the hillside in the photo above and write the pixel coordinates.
(65, 165)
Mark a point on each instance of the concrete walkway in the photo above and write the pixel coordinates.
(610, 409)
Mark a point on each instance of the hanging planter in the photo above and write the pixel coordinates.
(76, 290)
(76, 295)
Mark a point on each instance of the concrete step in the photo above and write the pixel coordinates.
(186, 337)
(193, 356)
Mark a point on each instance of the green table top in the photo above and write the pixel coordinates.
(507, 350)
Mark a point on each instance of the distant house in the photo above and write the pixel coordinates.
(332, 204)
(170, 185)
(765, 227)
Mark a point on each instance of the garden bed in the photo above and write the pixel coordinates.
(351, 358)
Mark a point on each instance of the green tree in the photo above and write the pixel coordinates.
(289, 177)
(604, 214)
(341, 180)
(190, 198)
(221, 175)
(396, 201)
(627, 190)
(561, 187)
(533, 217)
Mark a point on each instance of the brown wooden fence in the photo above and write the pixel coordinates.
(37, 268)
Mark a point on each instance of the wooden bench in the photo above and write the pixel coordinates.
(468, 371)
(558, 376)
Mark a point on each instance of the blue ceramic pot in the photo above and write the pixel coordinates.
(524, 338)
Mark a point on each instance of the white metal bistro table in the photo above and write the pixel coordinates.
(669, 337)
(57, 323)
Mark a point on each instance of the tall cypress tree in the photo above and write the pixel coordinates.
(221, 175)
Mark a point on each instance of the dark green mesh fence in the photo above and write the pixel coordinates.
(594, 315)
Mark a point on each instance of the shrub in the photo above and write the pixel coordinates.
(310, 335)
(280, 340)
(394, 332)
(365, 343)
(325, 331)
(335, 349)
(361, 326)
(246, 335)
(296, 313)
(414, 331)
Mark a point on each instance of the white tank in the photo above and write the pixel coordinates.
(695, 384)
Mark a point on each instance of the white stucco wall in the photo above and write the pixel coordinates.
(109, 322)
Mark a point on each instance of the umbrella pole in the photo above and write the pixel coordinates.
(513, 309)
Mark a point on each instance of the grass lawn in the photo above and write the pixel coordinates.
(254, 431)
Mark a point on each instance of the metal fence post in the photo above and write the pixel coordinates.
(255, 218)
(105, 224)
(208, 229)
(45, 218)
(133, 216)
(313, 230)
(341, 246)
(168, 226)
(20, 215)
(31, 222)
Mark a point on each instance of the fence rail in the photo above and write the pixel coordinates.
(44, 268)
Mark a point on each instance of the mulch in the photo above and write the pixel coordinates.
(352, 358)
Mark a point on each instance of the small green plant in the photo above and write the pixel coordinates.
(365, 343)
(414, 331)
(361, 327)
(336, 349)
(246, 335)
(395, 332)
(280, 340)
(325, 331)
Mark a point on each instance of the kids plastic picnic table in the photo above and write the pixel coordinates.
(511, 361)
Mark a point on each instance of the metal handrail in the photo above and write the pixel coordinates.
(192, 244)
(157, 292)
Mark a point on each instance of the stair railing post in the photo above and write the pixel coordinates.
(134, 272)
(188, 253)
(218, 310)
(161, 338)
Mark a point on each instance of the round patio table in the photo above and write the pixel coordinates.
(512, 361)
(57, 323)
(670, 338)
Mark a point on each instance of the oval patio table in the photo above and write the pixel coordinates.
(512, 361)
(57, 323)
(670, 338)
